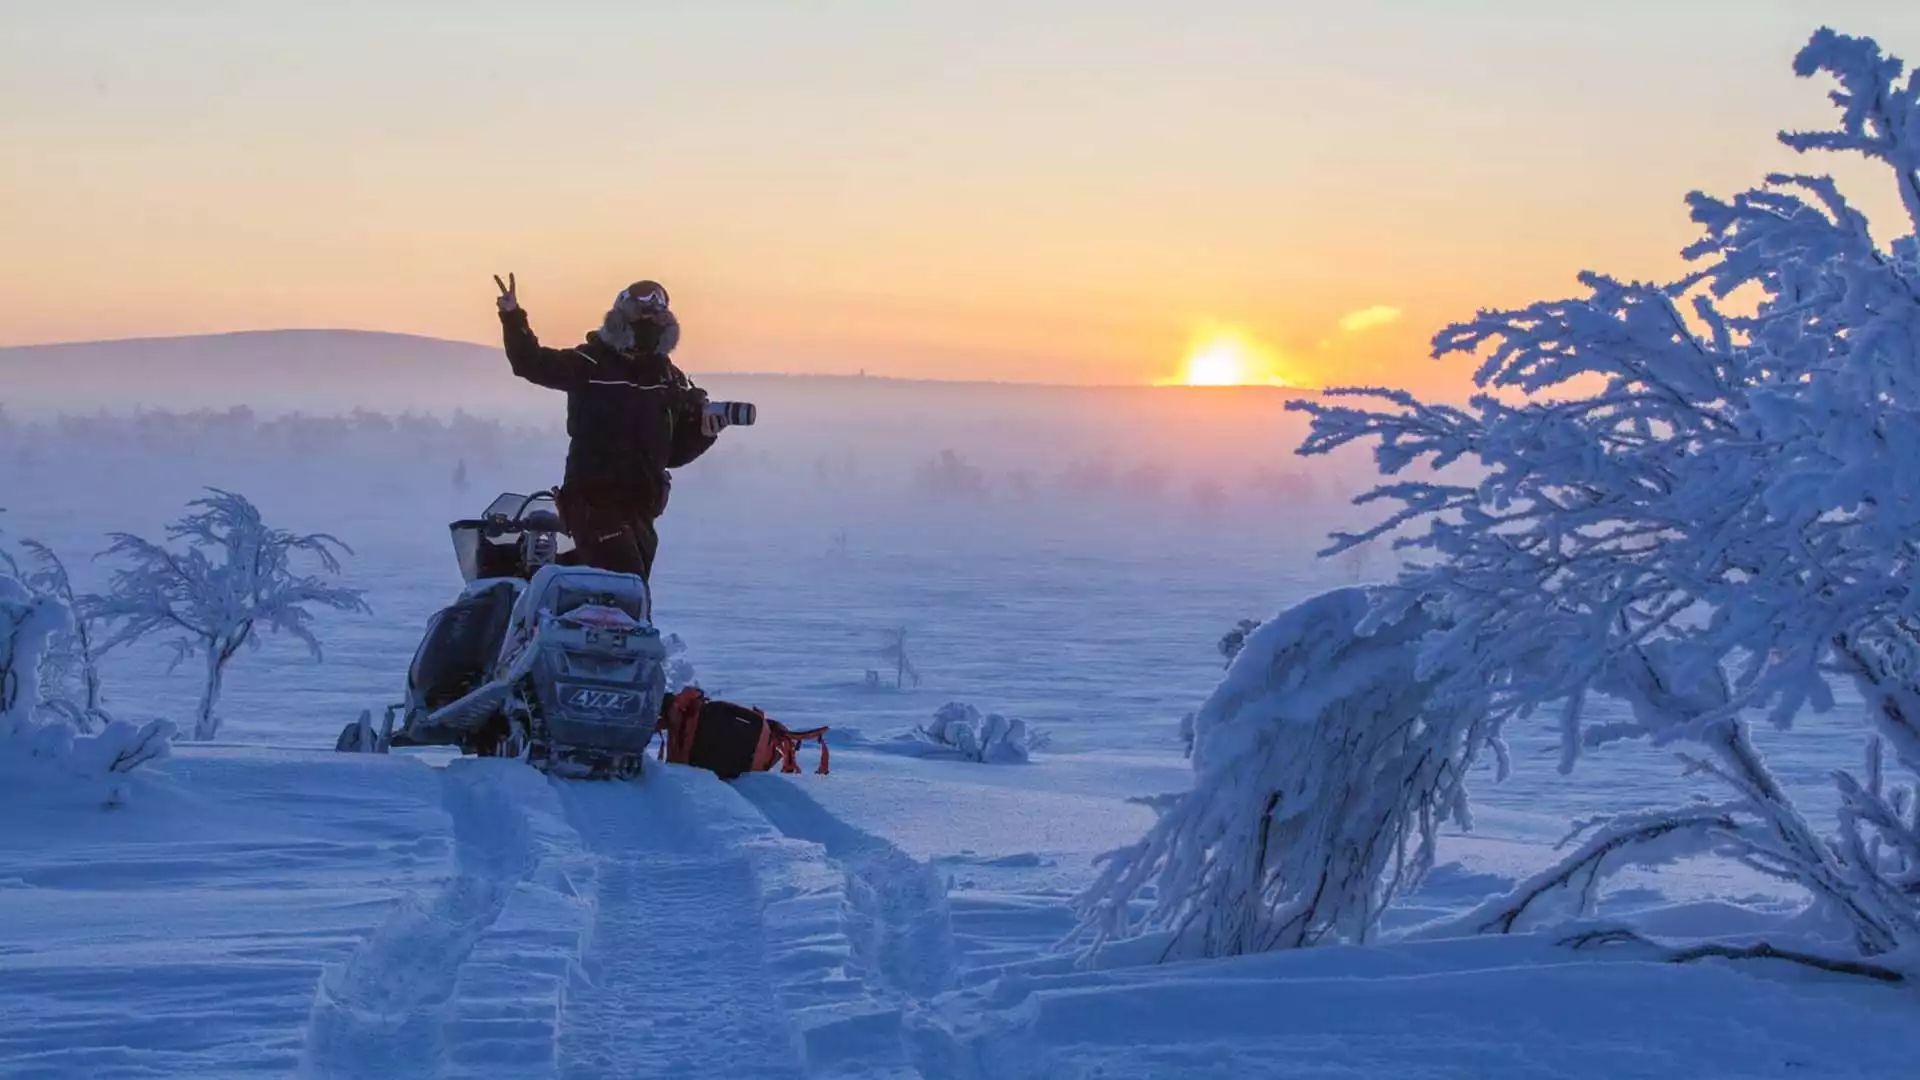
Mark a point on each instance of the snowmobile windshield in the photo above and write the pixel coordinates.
(515, 507)
(490, 546)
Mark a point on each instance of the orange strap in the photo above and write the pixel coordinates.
(683, 719)
(789, 745)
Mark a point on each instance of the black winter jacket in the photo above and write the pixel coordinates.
(630, 418)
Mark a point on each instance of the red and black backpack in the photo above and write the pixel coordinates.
(729, 739)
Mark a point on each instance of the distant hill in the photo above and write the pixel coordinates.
(271, 370)
(333, 371)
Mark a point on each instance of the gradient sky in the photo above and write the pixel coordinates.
(1057, 191)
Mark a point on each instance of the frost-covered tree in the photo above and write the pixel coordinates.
(29, 620)
(950, 476)
(1322, 771)
(234, 579)
(1208, 496)
(1701, 498)
(70, 683)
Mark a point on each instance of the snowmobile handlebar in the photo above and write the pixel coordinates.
(534, 513)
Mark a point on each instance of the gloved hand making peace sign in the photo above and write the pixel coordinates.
(508, 301)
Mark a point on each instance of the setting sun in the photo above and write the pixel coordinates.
(1223, 356)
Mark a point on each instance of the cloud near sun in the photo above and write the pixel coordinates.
(1224, 355)
(1368, 318)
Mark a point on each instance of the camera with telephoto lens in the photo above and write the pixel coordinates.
(735, 413)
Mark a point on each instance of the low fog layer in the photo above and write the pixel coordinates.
(334, 401)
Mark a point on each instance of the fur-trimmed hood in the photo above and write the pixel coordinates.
(622, 335)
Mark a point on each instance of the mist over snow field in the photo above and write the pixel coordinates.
(262, 906)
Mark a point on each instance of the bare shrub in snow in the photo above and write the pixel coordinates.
(28, 622)
(219, 603)
(991, 738)
(895, 652)
(1700, 509)
(1322, 771)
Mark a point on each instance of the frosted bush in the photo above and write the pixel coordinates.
(28, 621)
(990, 738)
(680, 671)
(71, 688)
(1322, 771)
(34, 751)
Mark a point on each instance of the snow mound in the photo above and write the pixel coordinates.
(1478, 1008)
(960, 730)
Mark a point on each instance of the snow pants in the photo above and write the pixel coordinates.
(609, 532)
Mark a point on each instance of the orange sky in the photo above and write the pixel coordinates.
(979, 190)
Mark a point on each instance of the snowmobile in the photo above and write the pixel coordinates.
(555, 664)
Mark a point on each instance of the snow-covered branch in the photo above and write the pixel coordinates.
(1570, 888)
(1880, 117)
(1597, 937)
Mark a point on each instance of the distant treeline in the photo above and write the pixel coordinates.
(462, 443)
(198, 433)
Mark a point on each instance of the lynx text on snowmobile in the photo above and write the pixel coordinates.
(557, 665)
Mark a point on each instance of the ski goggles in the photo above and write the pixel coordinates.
(643, 296)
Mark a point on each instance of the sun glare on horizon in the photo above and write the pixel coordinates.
(1224, 356)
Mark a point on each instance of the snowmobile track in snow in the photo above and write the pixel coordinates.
(673, 926)
(675, 980)
(897, 917)
(897, 925)
(382, 1013)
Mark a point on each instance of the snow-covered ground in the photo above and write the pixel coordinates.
(264, 907)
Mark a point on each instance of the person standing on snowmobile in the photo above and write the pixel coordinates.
(631, 416)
